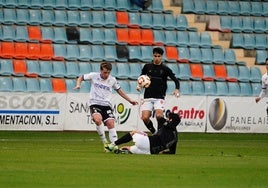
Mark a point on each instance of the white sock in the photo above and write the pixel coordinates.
(101, 132)
(113, 135)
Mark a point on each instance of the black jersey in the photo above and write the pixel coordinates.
(158, 75)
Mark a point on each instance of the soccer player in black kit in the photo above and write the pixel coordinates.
(154, 95)
(164, 141)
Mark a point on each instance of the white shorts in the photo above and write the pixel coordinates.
(142, 144)
(152, 104)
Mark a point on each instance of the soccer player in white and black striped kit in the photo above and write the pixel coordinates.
(100, 97)
(264, 85)
(154, 95)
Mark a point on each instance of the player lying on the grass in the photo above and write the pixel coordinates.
(164, 141)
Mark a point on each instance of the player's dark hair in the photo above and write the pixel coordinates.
(266, 59)
(106, 65)
(158, 50)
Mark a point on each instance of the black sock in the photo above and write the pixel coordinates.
(124, 139)
(160, 122)
(150, 126)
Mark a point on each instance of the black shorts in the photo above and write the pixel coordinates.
(105, 111)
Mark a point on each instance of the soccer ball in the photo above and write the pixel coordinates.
(144, 81)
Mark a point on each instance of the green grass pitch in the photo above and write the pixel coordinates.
(76, 159)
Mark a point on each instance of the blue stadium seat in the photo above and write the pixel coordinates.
(8, 33)
(35, 17)
(259, 25)
(110, 5)
(84, 68)
(244, 74)
(9, 16)
(125, 86)
(264, 8)
(6, 84)
(185, 88)
(146, 53)
(255, 74)
(60, 35)
(194, 39)
(198, 88)
(109, 19)
(261, 56)
(45, 85)
(46, 69)
(223, 8)
(185, 73)
(210, 88)
(133, 86)
(73, 18)
(182, 39)
(249, 41)
(85, 18)
(49, 4)
(158, 21)
(232, 73)
(110, 37)
(110, 53)
(72, 69)
(47, 34)
(233, 88)
(70, 85)
(72, 52)
(146, 20)
(85, 36)
(170, 38)
(33, 68)
(19, 84)
(181, 22)
(237, 40)
(205, 40)
(187, 6)
(97, 53)
(229, 56)
(97, 4)
(256, 8)
(222, 89)
(123, 70)
(61, 5)
(59, 69)
(256, 89)
(36, 4)
(245, 8)
(97, 19)
(6, 67)
(237, 24)
(208, 72)
(134, 53)
(97, 35)
(195, 55)
(169, 22)
(156, 6)
(211, 7)
(261, 41)
(247, 24)
(32, 85)
(199, 7)
(245, 89)
(22, 16)
(206, 56)
(74, 4)
(134, 19)
(170, 87)
(159, 37)
(134, 70)
(48, 17)
(234, 8)
(123, 5)
(21, 33)
(184, 54)
(60, 18)
(218, 56)
(226, 23)
(86, 5)
(174, 67)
